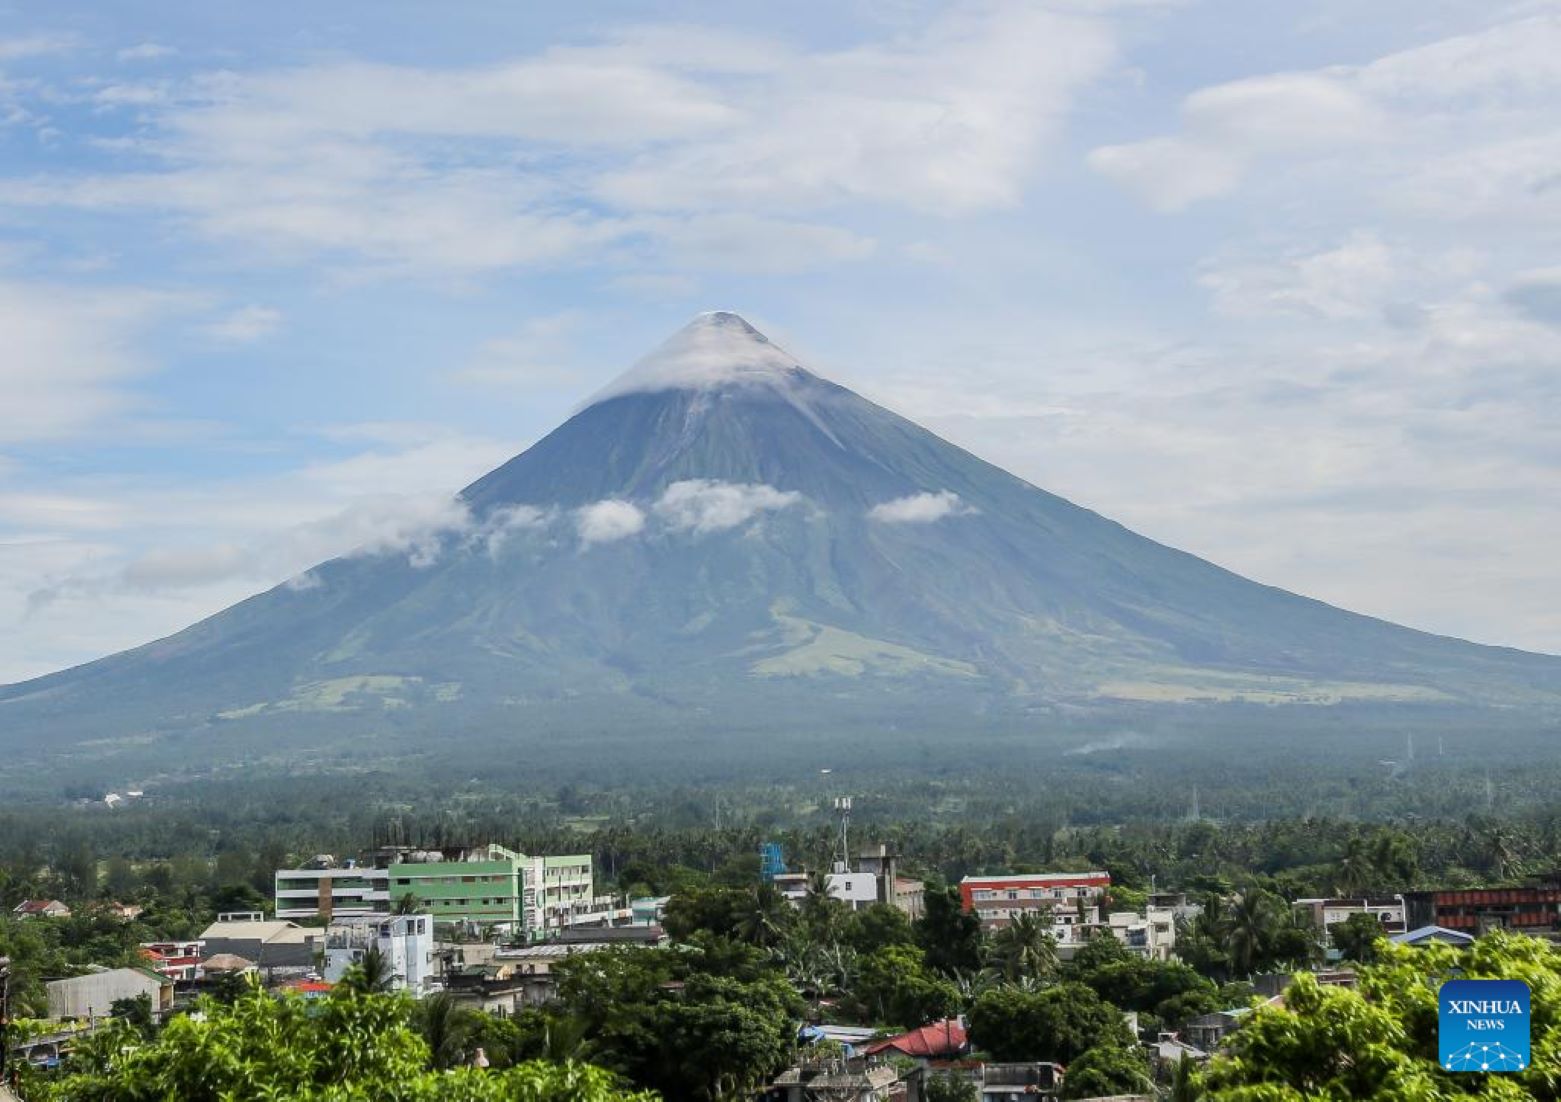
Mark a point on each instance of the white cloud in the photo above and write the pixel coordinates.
(952, 118)
(34, 45)
(496, 532)
(146, 51)
(664, 141)
(919, 508)
(608, 521)
(70, 353)
(246, 324)
(1228, 126)
(702, 505)
(1350, 281)
(1442, 126)
(416, 526)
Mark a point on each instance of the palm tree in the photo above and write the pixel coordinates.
(1249, 930)
(1355, 872)
(1025, 947)
(446, 1028)
(408, 904)
(764, 917)
(373, 974)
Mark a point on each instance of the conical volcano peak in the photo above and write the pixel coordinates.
(717, 349)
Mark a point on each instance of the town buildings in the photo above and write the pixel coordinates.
(41, 908)
(405, 941)
(1533, 910)
(485, 886)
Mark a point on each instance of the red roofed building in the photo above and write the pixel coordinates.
(1066, 896)
(41, 908)
(945, 1040)
(178, 960)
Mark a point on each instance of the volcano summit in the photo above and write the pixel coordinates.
(723, 545)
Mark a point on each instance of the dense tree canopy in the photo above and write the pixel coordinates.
(349, 1047)
(1380, 1041)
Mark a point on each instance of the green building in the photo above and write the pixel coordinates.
(488, 885)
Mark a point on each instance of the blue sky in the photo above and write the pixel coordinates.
(1276, 284)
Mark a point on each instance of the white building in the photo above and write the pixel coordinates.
(406, 941)
(1325, 913)
(1151, 935)
(855, 889)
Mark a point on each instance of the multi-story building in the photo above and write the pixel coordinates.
(1327, 913)
(332, 892)
(180, 961)
(1535, 910)
(405, 941)
(1151, 935)
(483, 886)
(1070, 898)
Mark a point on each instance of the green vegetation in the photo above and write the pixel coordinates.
(1379, 1041)
(349, 1047)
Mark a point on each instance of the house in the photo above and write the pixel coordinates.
(995, 900)
(1151, 935)
(1327, 913)
(1433, 935)
(852, 1038)
(1167, 1050)
(1534, 910)
(497, 989)
(528, 969)
(269, 944)
(180, 961)
(649, 910)
(945, 1040)
(1270, 984)
(41, 908)
(1208, 1030)
(405, 941)
(94, 995)
(126, 912)
(1019, 1082)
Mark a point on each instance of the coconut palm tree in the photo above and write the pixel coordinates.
(446, 1028)
(765, 917)
(1250, 924)
(374, 974)
(1024, 948)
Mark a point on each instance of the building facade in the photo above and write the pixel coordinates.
(332, 892)
(180, 961)
(1151, 935)
(405, 941)
(1535, 910)
(94, 995)
(1327, 913)
(484, 886)
(995, 900)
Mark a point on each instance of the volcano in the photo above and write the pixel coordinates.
(722, 542)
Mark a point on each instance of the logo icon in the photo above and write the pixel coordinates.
(1483, 1025)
